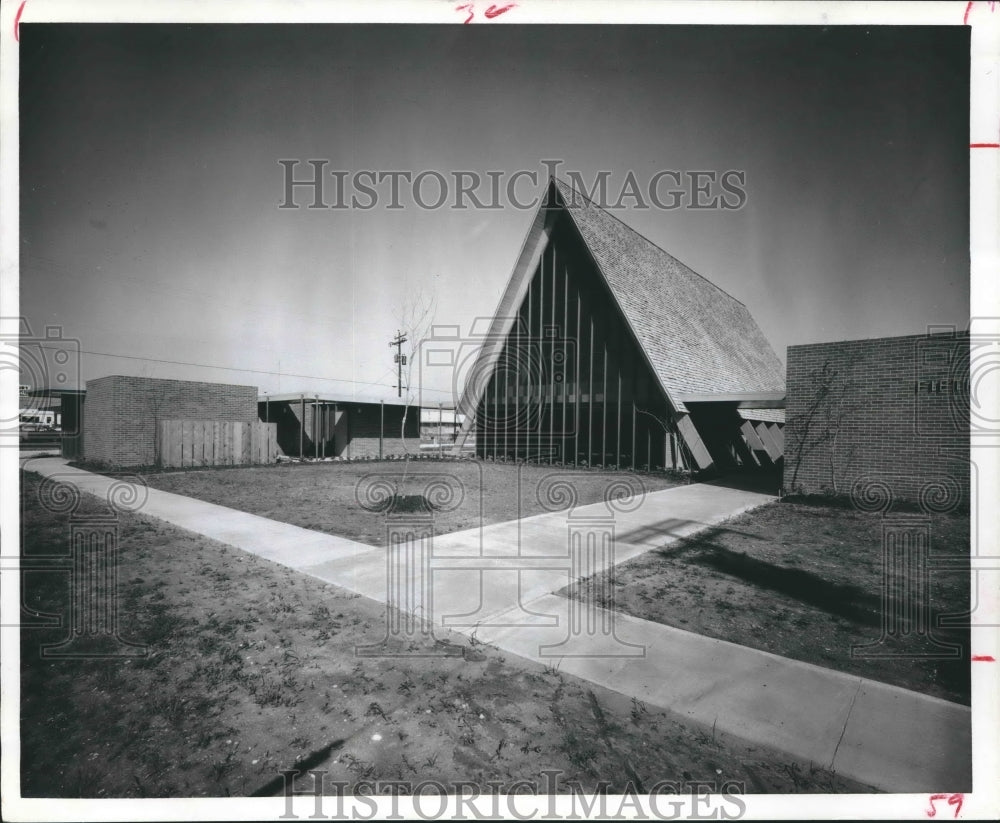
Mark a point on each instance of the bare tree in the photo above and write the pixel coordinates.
(668, 429)
(839, 408)
(415, 319)
(826, 412)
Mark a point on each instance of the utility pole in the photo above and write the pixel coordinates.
(400, 359)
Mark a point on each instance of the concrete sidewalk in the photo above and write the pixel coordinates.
(497, 582)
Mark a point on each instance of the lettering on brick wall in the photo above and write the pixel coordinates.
(943, 386)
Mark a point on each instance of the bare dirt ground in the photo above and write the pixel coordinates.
(799, 579)
(251, 668)
(323, 496)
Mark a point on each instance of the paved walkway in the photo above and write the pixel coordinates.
(497, 582)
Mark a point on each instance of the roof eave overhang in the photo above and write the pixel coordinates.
(743, 400)
(313, 397)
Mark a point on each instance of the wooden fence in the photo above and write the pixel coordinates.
(183, 443)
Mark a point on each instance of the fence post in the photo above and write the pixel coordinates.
(176, 446)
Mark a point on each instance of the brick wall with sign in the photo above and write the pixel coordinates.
(119, 427)
(866, 417)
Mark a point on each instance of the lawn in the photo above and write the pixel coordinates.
(251, 669)
(324, 496)
(799, 579)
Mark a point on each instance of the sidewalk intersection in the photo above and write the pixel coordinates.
(498, 583)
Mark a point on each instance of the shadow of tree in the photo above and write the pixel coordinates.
(840, 599)
(674, 528)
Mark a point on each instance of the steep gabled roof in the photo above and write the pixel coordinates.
(699, 339)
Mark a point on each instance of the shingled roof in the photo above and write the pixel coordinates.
(763, 415)
(699, 339)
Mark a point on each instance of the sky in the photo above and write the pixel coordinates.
(150, 185)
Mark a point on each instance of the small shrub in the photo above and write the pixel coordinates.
(400, 503)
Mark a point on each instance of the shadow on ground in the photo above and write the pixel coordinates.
(765, 482)
(841, 599)
(673, 528)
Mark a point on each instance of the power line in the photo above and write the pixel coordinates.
(65, 269)
(236, 369)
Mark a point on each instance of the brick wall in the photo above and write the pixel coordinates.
(364, 429)
(119, 427)
(367, 447)
(892, 411)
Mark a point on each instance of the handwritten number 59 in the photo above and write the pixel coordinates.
(953, 800)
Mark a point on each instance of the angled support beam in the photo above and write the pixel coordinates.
(701, 455)
(757, 448)
(772, 448)
(743, 452)
(777, 434)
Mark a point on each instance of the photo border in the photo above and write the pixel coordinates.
(984, 20)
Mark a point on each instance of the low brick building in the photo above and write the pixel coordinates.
(888, 415)
(122, 413)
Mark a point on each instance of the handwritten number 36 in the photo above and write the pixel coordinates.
(490, 13)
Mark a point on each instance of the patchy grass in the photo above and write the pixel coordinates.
(324, 496)
(799, 579)
(251, 668)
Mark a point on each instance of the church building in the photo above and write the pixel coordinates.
(607, 351)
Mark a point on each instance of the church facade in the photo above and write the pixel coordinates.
(607, 351)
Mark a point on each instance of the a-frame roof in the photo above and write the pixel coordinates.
(699, 340)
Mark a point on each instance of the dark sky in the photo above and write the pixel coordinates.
(150, 181)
